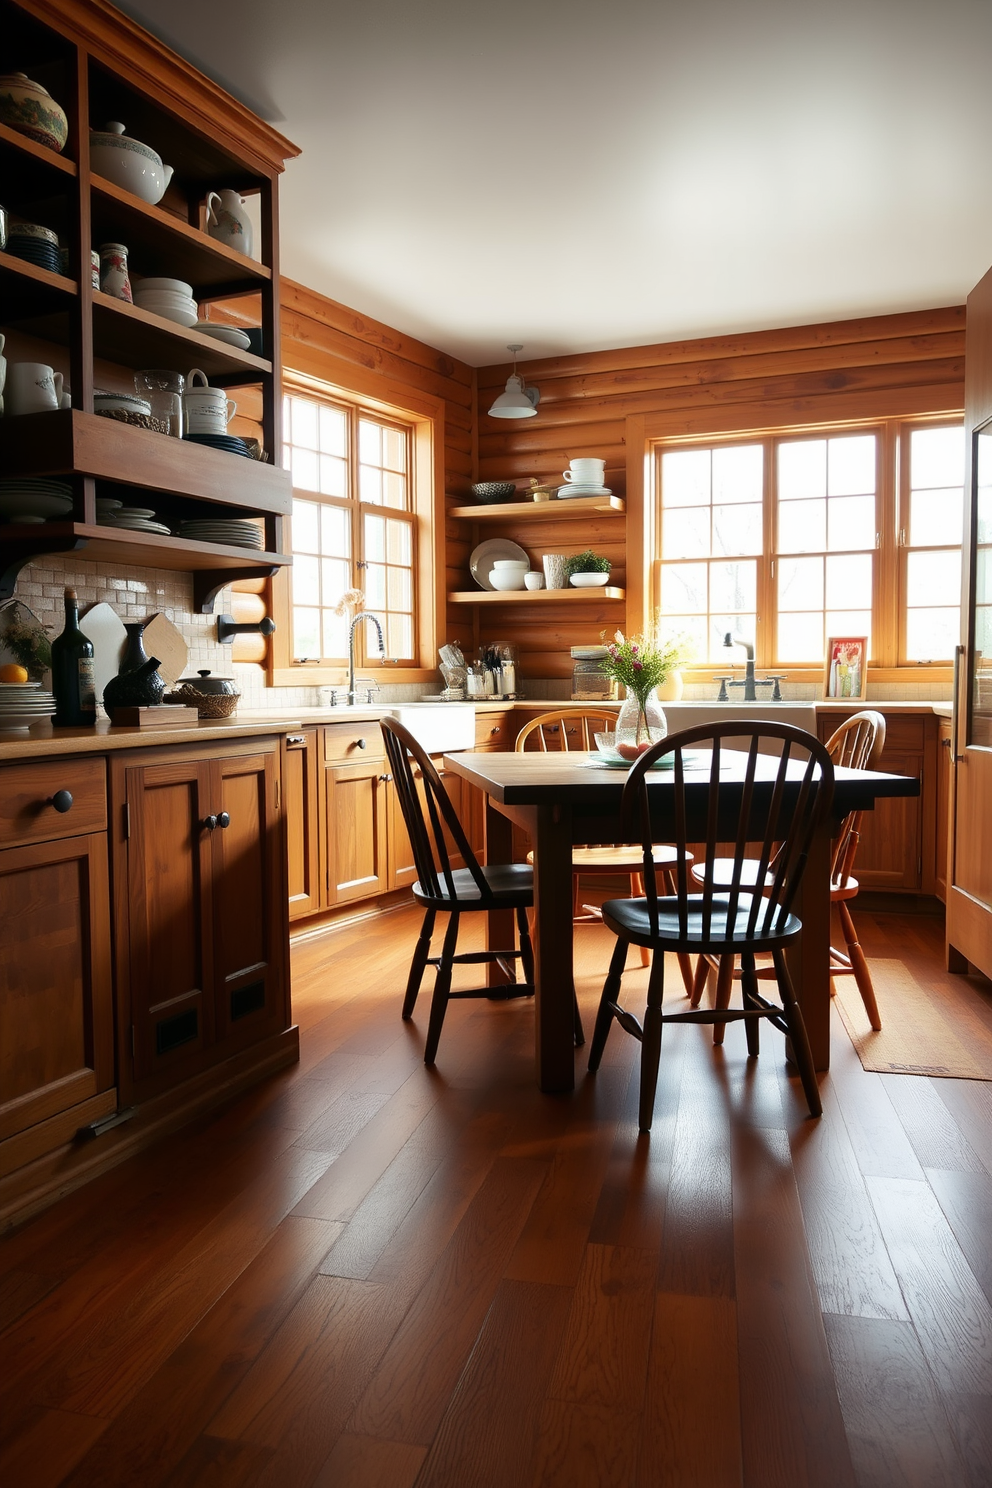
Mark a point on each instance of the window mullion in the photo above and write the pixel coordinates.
(766, 624)
(889, 558)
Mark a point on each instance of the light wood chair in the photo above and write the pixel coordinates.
(731, 920)
(430, 819)
(856, 745)
(576, 730)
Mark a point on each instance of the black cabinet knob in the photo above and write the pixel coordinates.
(62, 801)
(209, 822)
(361, 744)
(224, 819)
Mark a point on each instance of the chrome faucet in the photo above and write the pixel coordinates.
(749, 682)
(352, 695)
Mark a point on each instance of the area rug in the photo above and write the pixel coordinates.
(926, 1030)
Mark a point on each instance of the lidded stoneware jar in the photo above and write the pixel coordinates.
(31, 110)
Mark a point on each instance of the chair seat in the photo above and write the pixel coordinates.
(844, 889)
(620, 859)
(720, 872)
(630, 919)
(511, 886)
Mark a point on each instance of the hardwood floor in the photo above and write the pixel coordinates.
(366, 1274)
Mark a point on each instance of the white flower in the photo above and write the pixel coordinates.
(619, 638)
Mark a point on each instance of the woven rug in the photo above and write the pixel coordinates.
(926, 1029)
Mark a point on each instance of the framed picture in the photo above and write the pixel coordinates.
(846, 671)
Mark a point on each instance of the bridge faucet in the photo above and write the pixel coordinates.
(749, 682)
(352, 695)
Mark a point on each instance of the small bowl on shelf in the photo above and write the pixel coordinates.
(507, 579)
(491, 491)
(589, 580)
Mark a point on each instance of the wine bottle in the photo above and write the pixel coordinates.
(72, 672)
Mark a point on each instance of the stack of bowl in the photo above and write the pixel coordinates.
(32, 499)
(35, 245)
(170, 298)
(508, 573)
(24, 703)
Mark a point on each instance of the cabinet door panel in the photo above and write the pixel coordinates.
(247, 889)
(301, 808)
(171, 946)
(356, 832)
(891, 836)
(56, 1013)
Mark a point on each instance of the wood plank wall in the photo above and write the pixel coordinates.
(594, 404)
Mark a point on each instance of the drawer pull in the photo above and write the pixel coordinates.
(209, 823)
(295, 741)
(62, 801)
(361, 744)
(495, 730)
(224, 819)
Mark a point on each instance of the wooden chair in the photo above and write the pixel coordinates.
(576, 730)
(430, 818)
(857, 745)
(732, 919)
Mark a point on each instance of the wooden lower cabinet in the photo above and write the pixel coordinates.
(356, 831)
(943, 807)
(302, 809)
(402, 870)
(201, 904)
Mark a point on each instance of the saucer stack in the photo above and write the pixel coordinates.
(584, 477)
(132, 518)
(23, 703)
(35, 245)
(170, 298)
(230, 443)
(230, 530)
(230, 335)
(573, 488)
(33, 500)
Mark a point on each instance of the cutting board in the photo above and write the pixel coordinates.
(162, 639)
(105, 628)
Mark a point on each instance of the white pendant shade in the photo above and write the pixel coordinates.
(517, 401)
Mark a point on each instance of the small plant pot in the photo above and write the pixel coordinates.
(589, 580)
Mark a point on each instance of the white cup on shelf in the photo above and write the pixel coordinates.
(586, 471)
(32, 387)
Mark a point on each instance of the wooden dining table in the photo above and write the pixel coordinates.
(562, 800)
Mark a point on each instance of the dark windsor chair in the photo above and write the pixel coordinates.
(434, 830)
(774, 807)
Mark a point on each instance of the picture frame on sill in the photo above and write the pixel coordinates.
(845, 675)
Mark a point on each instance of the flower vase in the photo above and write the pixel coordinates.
(640, 723)
(670, 691)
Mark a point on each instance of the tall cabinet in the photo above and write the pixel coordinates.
(101, 67)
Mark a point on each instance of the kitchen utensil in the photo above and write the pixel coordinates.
(483, 557)
(587, 471)
(506, 580)
(104, 627)
(162, 639)
(212, 697)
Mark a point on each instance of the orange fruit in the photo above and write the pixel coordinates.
(11, 672)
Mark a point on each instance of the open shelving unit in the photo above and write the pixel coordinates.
(99, 71)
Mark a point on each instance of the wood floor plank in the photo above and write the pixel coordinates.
(881, 1147)
(783, 1350)
(211, 1463)
(488, 1435)
(973, 1434)
(966, 1199)
(691, 1431)
(937, 1139)
(409, 1393)
(970, 1104)
(949, 1310)
(19, 1292)
(366, 1462)
(152, 1434)
(49, 1447)
(585, 1446)
(897, 1426)
(604, 1353)
(381, 1213)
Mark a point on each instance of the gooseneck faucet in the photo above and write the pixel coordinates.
(352, 696)
(749, 681)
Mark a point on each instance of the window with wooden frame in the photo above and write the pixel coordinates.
(361, 515)
(793, 536)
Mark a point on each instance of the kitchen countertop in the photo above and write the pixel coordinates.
(42, 740)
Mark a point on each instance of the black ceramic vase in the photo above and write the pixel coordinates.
(137, 684)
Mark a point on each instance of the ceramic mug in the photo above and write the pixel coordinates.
(586, 472)
(206, 410)
(31, 388)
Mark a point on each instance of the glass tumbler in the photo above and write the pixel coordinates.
(164, 391)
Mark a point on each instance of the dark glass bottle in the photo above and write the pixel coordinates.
(72, 672)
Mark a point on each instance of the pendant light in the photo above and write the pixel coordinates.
(518, 401)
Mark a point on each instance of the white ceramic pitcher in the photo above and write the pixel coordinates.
(228, 221)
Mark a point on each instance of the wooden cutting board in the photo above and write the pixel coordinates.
(105, 628)
(162, 639)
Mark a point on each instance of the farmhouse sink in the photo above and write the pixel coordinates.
(440, 728)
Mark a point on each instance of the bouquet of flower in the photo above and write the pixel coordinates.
(643, 663)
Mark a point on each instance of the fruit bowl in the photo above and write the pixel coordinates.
(488, 491)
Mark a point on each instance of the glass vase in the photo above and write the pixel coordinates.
(640, 723)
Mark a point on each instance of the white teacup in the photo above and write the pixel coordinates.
(587, 471)
(31, 387)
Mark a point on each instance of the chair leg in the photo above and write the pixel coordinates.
(749, 985)
(526, 948)
(797, 1033)
(637, 892)
(699, 980)
(651, 1044)
(685, 962)
(420, 953)
(442, 986)
(859, 966)
(724, 987)
(611, 993)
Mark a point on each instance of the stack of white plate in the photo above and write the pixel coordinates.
(231, 335)
(132, 518)
(34, 500)
(170, 298)
(23, 703)
(571, 489)
(235, 533)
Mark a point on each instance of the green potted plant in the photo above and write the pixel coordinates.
(587, 570)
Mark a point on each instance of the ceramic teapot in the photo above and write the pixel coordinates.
(129, 163)
(228, 221)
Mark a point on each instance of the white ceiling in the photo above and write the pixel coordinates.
(575, 174)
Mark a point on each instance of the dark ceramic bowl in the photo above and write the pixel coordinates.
(489, 491)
